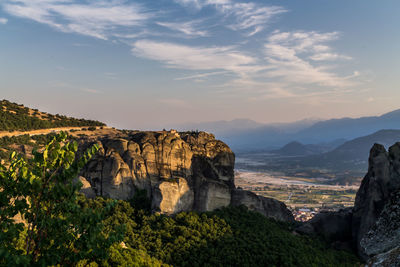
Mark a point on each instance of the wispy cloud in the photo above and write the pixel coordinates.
(201, 75)
(291, 54)
(194, 58)
(248, 16)
(94, 18)
(3, 21)
(328, 57)
(189, 28)
(199, 4)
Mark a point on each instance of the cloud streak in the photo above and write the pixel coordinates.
(188, 28)
(96, 18)
(194, 58)
(291, 55)
(248, 16)
(3, 21)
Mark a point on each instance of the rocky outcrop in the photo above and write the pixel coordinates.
(179, 171)
(372, 226)
(382, 179)
(334, 227)
(390, 258)
(267, 206)
(384, 235)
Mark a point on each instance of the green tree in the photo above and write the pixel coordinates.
(54, 228)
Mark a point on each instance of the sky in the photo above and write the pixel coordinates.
(149, 64)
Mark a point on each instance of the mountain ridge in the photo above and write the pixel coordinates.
(270, 137)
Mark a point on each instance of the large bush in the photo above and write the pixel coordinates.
(41, 221)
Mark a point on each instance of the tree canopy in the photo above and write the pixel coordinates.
(41, 220)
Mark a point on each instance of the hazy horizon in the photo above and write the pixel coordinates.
(146, 64)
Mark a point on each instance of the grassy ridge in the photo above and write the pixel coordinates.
(17, 117)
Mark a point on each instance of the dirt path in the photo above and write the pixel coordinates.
(42, 131)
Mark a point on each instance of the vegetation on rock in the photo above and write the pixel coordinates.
(17, 117)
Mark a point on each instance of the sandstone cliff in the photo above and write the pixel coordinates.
(179, 171)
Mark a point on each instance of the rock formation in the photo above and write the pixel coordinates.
(385, 233)
(373, 224)
(269, 207)
(334, 227)
(382, 180)
(179, 171)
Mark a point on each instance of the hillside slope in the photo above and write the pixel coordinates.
(16, 117)
(354, 153)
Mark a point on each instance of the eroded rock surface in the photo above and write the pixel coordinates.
(385, 234)
(390, 258)
(382, 179)
(334, 227)
(267, 206)
(372, 226)
(179, 171)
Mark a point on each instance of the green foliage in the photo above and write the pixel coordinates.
(16, 117)
(140, 200)
(19, 140)
(227, 237)
(55, 228)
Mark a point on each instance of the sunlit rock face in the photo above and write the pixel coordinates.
(179, 171)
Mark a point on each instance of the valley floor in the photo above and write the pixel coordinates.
(305, 197)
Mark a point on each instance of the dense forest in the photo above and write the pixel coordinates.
(17, 117)
(232, 236)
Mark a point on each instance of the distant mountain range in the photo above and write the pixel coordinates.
(351, 155)
(354, 153)
(247, 135)
(298, 149)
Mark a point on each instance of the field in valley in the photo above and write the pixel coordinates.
(303, 196)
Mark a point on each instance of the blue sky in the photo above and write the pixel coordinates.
(151, 64)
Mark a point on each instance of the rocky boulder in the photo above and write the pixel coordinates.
(267, 206)
(334, 227)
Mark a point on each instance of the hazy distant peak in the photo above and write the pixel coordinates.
(391, 114)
